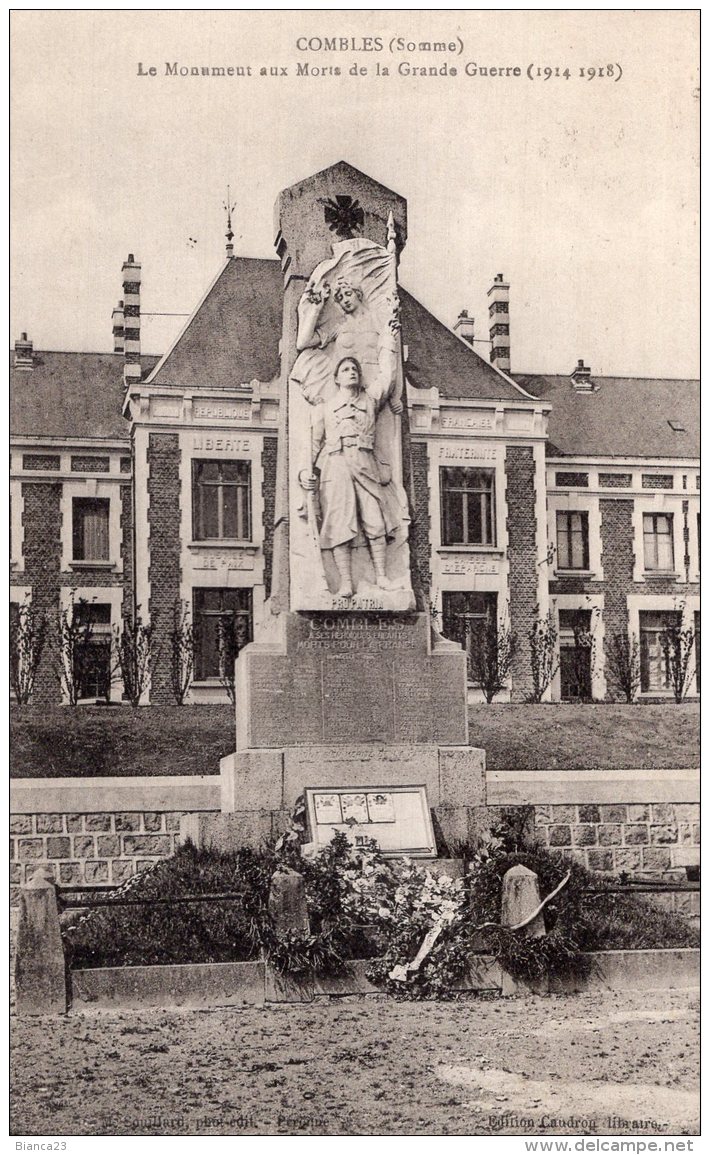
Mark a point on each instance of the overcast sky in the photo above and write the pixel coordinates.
(582, 192)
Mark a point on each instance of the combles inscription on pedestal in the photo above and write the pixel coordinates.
(355, 633)
(350, 678)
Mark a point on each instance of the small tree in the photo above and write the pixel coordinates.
(624, 664)
(678, 644)
(491, 656)
(75, 632)
(232, 634)
(182, 652)
(28, 630)
(544, 661)
(135, 657)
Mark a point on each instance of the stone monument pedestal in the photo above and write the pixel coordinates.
(350, 700)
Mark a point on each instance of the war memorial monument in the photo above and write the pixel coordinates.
(349, 694)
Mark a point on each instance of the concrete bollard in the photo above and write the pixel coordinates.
(287, 903)
(40, 968)
(521, 896)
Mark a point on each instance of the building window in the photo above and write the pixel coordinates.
(572, 480)
(222, 625)
(658, 541)
(221, 500)
(465, 617)
(615, 480)
(576, 647)
(85, 463)
(656, 481)
(90, 529)
(572, 539)
(467, 506)
(40, 461)
(92, 650)
(655, 664)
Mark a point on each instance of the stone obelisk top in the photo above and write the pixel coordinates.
(336, 204)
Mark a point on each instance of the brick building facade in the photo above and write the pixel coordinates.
(146, 486)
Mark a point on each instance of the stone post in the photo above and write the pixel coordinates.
(287, 903)
(40, 969)
(521, 896)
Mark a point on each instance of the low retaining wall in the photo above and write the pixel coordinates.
(194, 985)
(255, 983)
(101, 830)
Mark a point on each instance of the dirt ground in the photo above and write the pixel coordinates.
(591, 1064)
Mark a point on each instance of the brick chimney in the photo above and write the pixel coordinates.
(499, 313)
(118, 328)
(582, 377)
(24, 357)
(464, 327)
(132, 320)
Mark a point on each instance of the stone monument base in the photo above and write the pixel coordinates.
(360, 700)
(260, 788)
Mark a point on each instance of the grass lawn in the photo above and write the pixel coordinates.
(570, 737)
(93, 740)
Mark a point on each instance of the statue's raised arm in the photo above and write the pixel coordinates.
(310, 309)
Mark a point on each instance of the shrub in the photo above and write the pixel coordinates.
(492, 653)
(624, 664)
(135, 657)
(28, 629)
(678, 643)
(182, 652)
(363, 906)
(585, 916)
(544, 664)
(213, 932)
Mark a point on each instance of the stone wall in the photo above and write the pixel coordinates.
(41, 520)
(127, 548)
(268, 464)
(164, 546)
(89, 848)
(659, 839)
(420, 531)
(522, 557)
(631, 837)
(42, 554)
(102, 830)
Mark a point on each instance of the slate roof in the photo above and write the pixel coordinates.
(233, 337)
(69, 395)
(621, 417)
(234, 334)
(438, 357)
